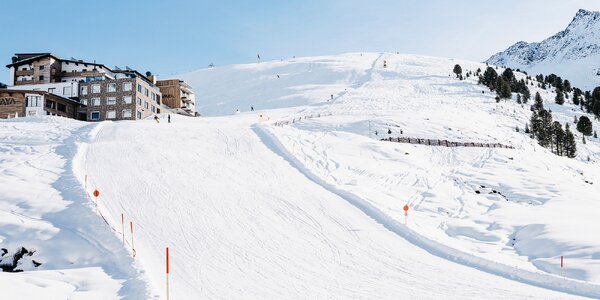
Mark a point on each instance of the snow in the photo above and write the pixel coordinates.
(573, 53)
(43, 209)
(312, 209)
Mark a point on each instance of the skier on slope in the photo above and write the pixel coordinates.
(169, 118)
(156, 119)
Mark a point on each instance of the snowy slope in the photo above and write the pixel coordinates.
(44, 210)
(573, 53)
(242, 222)
(301, 81)
(313, 209)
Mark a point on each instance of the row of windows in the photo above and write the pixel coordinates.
(111, 87)
(112, 114)
(108, 101)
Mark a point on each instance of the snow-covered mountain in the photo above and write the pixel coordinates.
(573, 53)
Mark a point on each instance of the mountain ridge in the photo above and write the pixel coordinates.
(573, 53)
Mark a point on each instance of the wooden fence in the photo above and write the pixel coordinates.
(444, 143)
(294, 120)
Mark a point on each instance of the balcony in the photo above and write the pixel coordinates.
(81, 74)
(24, 72)
(24, 82)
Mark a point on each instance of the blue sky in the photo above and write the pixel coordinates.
(176, 36)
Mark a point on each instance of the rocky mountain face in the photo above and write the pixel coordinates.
(573, 53)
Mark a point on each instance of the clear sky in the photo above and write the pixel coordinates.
(169, 37)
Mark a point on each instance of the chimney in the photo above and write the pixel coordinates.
(151, 77)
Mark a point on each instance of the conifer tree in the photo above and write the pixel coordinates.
(584, 125)
(569, 142)
(539, 102)
(560, 97)
(519, 98)
(503, 88)
(558, 137)
(457, 70)
(526, 94)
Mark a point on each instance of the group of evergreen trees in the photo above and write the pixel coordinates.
(550, 134)
(505, 84)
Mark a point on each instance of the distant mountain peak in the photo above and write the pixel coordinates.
(576, 48)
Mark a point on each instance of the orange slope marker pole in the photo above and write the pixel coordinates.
(167, 273)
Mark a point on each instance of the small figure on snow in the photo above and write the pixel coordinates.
(251, 108)
(156, 119)
(169, 118)
(389, 131)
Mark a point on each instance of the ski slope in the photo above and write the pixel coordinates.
(312, 209)
(242, 222)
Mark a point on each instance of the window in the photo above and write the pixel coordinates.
(127, 86)
(84, 90)
(153, 96)
(95, 115)
(139, 100)
(157, 98)
(127, 99)
(95, 101)
(153, 109)
(111, 100)
(112, 87)
(139, 115)
(139, 88)
(146, 92)
(41, 77)
(111, 114)
(34, 101)
(83, 101)
(42, 67)
(95, 88)
(67, 91)
(146, 104)
(61, 107)
(51, 90)
(50, 104)
(127, 113)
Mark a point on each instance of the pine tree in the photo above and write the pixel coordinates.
(595, 134)
(519, 98)
(585, 126)
(503, 88)
(569, 142)
(560, 97)
(545, 129)
(526, 95)
(457, 70)
(489, 78)
(539, 102)
(517, 128)
(527, 128)
(558, 136)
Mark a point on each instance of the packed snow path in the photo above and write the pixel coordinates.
(241, 222)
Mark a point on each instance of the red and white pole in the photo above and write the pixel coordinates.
(123, 227)
(561, 265)
(132, 247)
(167, 273)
